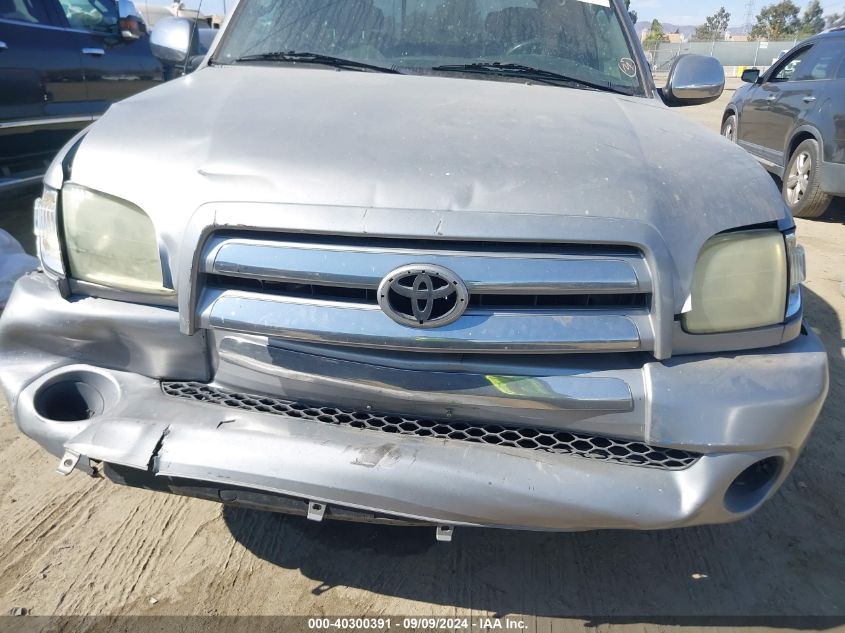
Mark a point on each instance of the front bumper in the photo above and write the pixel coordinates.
(734, 410)
(833, 178)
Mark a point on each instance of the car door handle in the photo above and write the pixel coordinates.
(809, 99)
(95, 52)
(3, 46)
(772, 98)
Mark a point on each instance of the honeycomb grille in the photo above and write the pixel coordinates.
(550, 441)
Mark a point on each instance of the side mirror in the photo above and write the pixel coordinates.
(694, 80)
(170, 40)
(751, 76)
(205, 37)
(131, 24)
(194, 62)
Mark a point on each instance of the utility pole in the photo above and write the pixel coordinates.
(749, 16)
(404, 16)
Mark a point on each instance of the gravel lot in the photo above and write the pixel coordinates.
(77, 545)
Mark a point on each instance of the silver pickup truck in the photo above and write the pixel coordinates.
(454, 263)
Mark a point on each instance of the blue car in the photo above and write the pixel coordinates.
(62, 63)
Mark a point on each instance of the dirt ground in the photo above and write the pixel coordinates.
(76, 545)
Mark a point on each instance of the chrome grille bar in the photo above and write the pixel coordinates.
(367, 326)
(482, 272)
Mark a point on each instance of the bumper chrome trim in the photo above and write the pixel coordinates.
(535, 397)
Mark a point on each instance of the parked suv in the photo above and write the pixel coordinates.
(62, 63)
(792, 119)
(459, 265)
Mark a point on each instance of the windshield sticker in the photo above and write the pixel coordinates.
(601, 3)
(627, 66)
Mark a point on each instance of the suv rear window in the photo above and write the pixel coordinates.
(823, 62)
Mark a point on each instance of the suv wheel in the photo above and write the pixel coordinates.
(801, 187)
(729, 128)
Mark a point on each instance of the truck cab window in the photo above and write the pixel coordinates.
(28, 11)
(100, 16)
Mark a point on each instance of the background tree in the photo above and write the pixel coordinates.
(837, 19)
(715, 26)
(633, 14)
(777, 21)
(813, 21)
(656, 33)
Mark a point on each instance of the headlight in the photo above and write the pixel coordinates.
(110, 242)
(47, 232)
(740, 283)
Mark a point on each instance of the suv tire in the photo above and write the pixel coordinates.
(801, 187)
(729, 128)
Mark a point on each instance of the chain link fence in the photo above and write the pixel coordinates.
(759, 54)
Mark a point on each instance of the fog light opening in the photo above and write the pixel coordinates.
(75, 395)
(753, 484)
(69, 401)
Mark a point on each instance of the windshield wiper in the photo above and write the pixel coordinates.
(529, 72)
(314, 58)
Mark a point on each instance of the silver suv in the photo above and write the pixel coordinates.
(446, 263)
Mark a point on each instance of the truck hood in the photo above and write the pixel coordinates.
(445, 146)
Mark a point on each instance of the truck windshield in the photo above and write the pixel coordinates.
(579, 39)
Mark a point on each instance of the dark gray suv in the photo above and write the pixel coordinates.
(792, 119)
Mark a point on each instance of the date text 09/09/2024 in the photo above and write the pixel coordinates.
(416, 623)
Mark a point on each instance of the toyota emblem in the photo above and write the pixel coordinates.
(423, 296)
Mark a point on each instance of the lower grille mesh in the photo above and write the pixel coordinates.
(560, 442)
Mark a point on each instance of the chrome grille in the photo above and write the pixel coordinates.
(627, 452)
(523, 298)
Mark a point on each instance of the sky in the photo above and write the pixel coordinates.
(680, 12)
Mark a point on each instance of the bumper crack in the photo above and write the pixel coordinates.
(152, 466)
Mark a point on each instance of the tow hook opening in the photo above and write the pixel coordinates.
(751, 486)
(74, 396)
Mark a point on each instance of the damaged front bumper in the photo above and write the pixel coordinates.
(100, 381)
